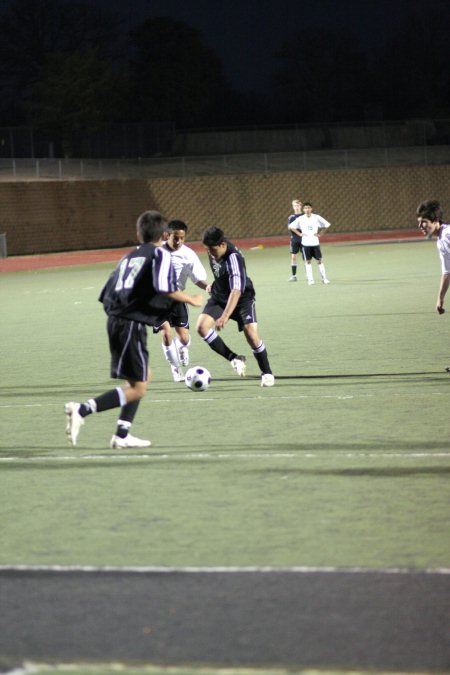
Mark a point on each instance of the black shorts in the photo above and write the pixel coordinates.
(178, 317)
(295, 245)
(244, 313)
(128, 347)
(312, 252)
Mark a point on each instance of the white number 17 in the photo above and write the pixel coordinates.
(129, 269)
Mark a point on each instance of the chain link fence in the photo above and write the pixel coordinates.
(210, 165)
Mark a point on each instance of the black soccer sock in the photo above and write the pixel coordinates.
(127, 415)
(294, 270)
(261, 356)
(218, 345)
(106, 401)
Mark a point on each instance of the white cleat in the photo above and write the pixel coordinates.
(239, 366)
(311, 282)
(177, 374)
(292, 278)
(74, 421)
(325, 281)
(267, 380)
(128, 442)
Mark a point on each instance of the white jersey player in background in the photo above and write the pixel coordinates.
(430, 219)
(308, 226)
(187, 265)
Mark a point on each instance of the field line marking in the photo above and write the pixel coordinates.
(179, 455)
(302, 569)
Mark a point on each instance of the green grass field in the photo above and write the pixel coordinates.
(344, 462)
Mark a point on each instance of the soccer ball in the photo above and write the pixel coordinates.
(197, 378)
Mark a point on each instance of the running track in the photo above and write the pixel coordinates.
(65, 259)
(392, 620)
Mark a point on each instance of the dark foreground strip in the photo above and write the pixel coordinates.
(305, 619)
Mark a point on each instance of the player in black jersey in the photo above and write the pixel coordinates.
(295, 245)
(232, 297)
(139, 292)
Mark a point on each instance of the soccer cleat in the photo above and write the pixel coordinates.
(448, 369)
(267, 380)
(325, 281)
(239, 366)
(74, 421)
(183, 354)
(128, 442)
(177, 374)
(311, 282)
(292, 278)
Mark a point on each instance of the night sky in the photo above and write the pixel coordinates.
(245, 34)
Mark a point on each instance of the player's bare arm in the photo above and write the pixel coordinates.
(443, 288)
(194, 300)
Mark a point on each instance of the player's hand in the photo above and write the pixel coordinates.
(197, 300)
(221, 322)
(440, 309)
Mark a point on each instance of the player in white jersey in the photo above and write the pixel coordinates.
(309, 226)
(430, 219)
(187, 265)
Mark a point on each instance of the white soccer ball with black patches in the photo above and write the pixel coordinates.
(197, 378)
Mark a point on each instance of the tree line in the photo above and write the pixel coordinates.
(71, 67)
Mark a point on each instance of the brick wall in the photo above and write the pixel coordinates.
(40, 217)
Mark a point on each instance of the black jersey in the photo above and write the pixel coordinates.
(291, 219)
(135, 289)
(230, 274)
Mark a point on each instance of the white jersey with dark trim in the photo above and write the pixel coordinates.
(443, 244)
(309, 227)
(187, 265)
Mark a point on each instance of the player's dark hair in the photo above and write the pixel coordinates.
(151, 225)
(430, 210)
(213, 236)
(177, 225)
(307, 204)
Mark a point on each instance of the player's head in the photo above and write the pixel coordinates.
(177, 234)
(429, 216)
(215, 242)
(297, 205)
(150, 227)
(307, 207)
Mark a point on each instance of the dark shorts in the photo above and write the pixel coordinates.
(312, 252)
(244, 313)
(178, 317)
(128, 347)
(295, 245)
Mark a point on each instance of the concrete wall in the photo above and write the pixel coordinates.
(40, 217)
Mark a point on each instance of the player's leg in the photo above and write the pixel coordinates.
(170, 350)
(183, 342)
(321, 267)
(129, 361)
(180, 321)
(293, 250)
(308, 257)
(260, 353)
(205, 328)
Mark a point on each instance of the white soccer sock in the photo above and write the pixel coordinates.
(309, 273)
(180, 344)
(171, 354)
(322, 271)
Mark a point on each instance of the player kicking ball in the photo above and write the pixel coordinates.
(232, 297)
